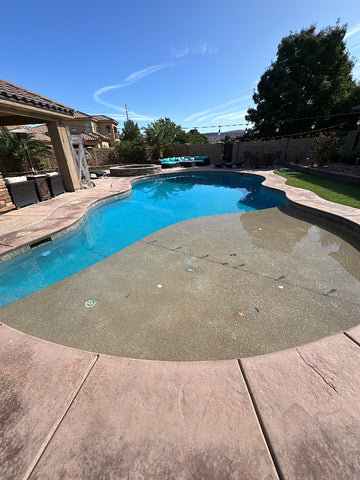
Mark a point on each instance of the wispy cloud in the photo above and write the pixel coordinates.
(132, 78)
(205, 49)
(213, 111)
(135, 77)
(121, 117)
(356, 71)
(202, 49)
(352, 31)
(215, 115)
(353, 38)
(179, 53)
(231, 116)
(230, 110)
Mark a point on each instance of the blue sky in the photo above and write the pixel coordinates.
(197, 62)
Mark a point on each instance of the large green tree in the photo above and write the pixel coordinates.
(130, 131)
(195, 137)
(162, 133)
(309, 82)
(131, 148)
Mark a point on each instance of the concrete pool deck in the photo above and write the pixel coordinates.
(68, 413)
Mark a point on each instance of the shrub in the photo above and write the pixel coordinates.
(129, 151)
(41, 166)
(325, 148)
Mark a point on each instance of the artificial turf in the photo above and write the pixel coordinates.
(328, 189)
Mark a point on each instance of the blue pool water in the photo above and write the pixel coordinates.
(154, 204)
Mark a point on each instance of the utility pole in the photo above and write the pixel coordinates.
(127, 114)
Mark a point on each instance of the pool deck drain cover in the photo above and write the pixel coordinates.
(90, 303)
(190, 270)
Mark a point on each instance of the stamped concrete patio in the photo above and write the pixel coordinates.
(67, 413)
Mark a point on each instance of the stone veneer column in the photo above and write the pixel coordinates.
(6, 203)
(63, 154)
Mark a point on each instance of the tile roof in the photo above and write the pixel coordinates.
(38, 134)
(92, 137)
(102, 118)
(42, 129)
(13, 93)
(78, 114)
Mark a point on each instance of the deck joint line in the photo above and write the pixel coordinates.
(351, 338)
(261, 424)
(57, 424)
(248, 271)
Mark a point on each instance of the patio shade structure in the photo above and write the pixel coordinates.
(19, 106)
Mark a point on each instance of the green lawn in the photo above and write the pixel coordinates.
(328, 189)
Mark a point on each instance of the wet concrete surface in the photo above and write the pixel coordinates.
(258, 282)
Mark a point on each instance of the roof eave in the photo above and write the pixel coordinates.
(15, 108)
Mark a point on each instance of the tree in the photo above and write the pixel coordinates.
(130, 131)
(129, 151)
(195, 137)
(12, 154)
(131, 147)
(309, 81)
(162, 133)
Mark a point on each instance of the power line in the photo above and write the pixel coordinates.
(315, 118)
(281, 122)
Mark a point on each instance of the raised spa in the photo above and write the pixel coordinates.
(134, 170)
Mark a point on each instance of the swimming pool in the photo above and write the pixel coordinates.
(154, 204)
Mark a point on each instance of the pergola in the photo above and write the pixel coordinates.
(19, 106)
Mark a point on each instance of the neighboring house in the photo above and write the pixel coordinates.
(38, 132)
(107, 126)
(98, 131)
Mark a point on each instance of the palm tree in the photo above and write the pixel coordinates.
(161, 134)
(12, 153)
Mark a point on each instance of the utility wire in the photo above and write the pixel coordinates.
(314, 118)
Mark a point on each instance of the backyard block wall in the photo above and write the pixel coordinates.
(292, 149)
(213, 150)
(99, 156)
(5, 200)
(352, 142)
